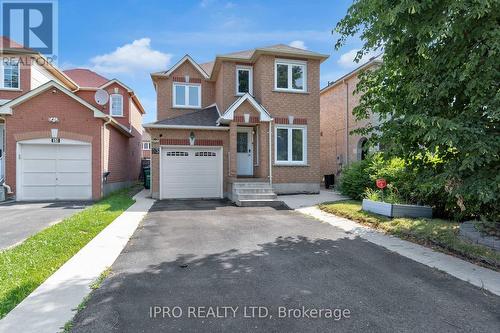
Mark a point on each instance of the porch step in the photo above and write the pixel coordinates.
(254, 194)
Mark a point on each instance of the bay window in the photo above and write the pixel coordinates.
(244, 80)
(9, 71)
(187, 95)
(290, 144)
(290, 75)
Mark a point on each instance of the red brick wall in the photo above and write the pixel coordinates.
(30, 121)
(333, 126)
(164, 91)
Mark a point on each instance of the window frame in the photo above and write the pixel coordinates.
(290, 129)
(2, 75)
(148, 143)
(249, 69)
(290, 64)
(186, 95)
(111, 96)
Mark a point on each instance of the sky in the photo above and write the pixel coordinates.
(129, 39)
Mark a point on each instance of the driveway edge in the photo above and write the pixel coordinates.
(53, 303)
(478, 276)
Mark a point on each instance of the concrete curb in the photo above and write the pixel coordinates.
(52, 304)
(463, 270)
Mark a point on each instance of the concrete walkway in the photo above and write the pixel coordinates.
(52, 304)
(463, 270)
(308, 200)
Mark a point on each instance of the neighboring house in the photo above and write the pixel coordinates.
(338, 146)
(146, 146)
(248, 118)
(57, 142)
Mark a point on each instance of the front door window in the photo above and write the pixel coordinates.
(242, 142)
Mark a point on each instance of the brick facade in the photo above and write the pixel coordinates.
(338, 146)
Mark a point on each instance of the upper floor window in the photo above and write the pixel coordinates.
(146, 145)
(187, 95)
(290, 75)
(116, 108)
(9, 70)
(244, 80)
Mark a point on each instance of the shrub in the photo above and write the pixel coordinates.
(355, 180)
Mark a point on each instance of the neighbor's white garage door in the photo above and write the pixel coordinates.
(191, 173)
(54, 171)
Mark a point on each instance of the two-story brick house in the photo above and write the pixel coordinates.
(247, 119)
(56, 141)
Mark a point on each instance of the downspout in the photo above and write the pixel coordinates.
(346, 122)
(4, 185)
(270, 154)
(107, 122)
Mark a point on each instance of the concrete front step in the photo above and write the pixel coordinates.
(259, 203)
(251, 185)
(249, 190)
(255, 196)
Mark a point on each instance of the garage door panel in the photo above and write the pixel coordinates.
(39, 152)
(74, 192)
(73, 165)
(39, 178)
(39, 193)
(72, 178)
(191, 173)
(74, 152)
(32, 165)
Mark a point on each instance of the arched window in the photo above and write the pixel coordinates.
(362, 149)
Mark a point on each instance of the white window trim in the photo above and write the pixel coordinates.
(146, 143)
(249, 69)
(290, 150)
(2, 75)
(290, 63)
(111, 105)
(186, 96)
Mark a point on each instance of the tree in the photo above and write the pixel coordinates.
(437, 92)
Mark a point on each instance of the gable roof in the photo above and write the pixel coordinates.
(86, 78)
(373, 61)
(229, 114)
(7, 107)
(187, 58)
(206, 117)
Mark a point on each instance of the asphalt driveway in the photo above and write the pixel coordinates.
(19, 220)
(188, 256)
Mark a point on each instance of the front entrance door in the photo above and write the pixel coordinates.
(2, 152)
(244, 152)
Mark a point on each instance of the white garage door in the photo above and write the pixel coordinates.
(191, 173)
(54, 171)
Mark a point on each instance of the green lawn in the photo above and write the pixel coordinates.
(440, 234)
(26, 266)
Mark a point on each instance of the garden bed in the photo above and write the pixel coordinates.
(442, 235)
(396, 210)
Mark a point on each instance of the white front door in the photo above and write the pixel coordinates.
(54, 171)
(2, 151)
(244, 152)
(190, 172)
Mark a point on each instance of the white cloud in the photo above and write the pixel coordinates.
(136, 57)
(346, 60)
(298, 44)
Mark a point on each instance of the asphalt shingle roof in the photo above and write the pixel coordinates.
(204, 117)
(86, 78)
